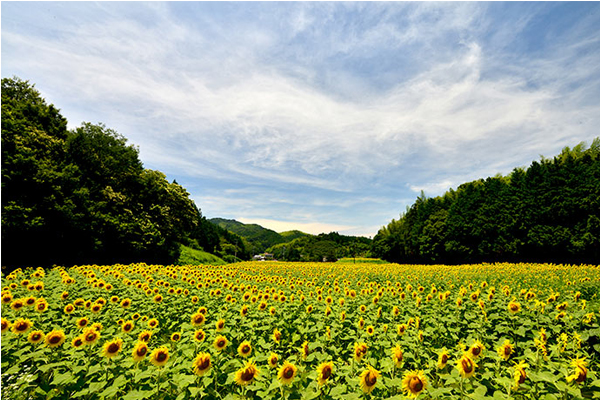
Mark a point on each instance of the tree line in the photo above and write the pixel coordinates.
(549, 212)
(83, 196)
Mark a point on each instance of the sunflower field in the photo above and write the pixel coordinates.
(274, 330)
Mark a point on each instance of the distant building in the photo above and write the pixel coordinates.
(263, 257)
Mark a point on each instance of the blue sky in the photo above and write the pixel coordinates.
(318, 116)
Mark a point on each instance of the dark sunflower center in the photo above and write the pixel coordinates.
(221, 343)
(127, 327)
(416, 385)
(54, 339)
(90, 337)
(204, 364)
(36, 337)
(467, 366)
(522, 376)
(507, 351)
(113, 348)
(246, 349)
(370, 379)
(22, 327)
(142, 351)
(326, 372)
(77, 342)
(288, 373)
(160, 357)
(581, 375)
(247, 375)
(476, 351)
(444, 358)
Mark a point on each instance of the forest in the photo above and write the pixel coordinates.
(83, 196)
(549, 212)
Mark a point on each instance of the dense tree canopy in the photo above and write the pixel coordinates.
(548, 212)
(83, 195)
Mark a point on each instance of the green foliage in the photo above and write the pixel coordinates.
(83, 196)
(548, 212)
(190, 256)
(257, 237)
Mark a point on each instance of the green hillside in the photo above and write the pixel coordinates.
(258, 237)
(189, 256)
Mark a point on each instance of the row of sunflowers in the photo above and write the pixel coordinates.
(275, 330)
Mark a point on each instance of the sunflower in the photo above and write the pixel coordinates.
(579, 371)
(272, 311)
(476, 350)
(5, 325)
(152, 323)
(443, 358)
(360, 349)
(370, 330)
(220, 324)
(520, 375)
(220, 343)
(135, 316)
(466, 366)
(145, 336)
(514, 307)
(276, 336)
(401, 329)
(505, 350)
(304, 350)
(17, 304)
(127, 326)
(324, 372)
(96, 308)
(343, 316)
(198, 319)
(273, 359)
(397, 356)
(21, 326)
(7, 297)
(246, 375)
(77, 342)
(244, 349)
(158, 298)
(90, 336)
(55, 338)
(35, 337)
(112, 348)
(368, 379)
(176, 336)
(202, 364)
(82, 322)
(114, 299)
(413, 383)
(199, 335)
(286, 373)
(69, 308)
(159, 356)
(126, 303)
(29, 301)
(139, 351)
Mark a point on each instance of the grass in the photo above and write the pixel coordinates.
(191, 256)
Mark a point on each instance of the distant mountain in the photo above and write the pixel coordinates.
(258, 237)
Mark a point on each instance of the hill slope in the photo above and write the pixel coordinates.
(258, 237)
